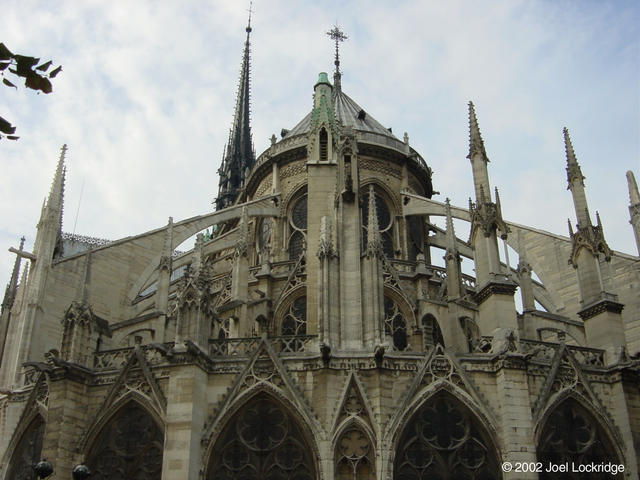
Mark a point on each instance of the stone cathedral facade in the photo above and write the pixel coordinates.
(310, 333)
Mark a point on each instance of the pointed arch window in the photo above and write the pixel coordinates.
(261, 441)
(354, 456)
(443, 441)
(28, 451)
(129, 446)
(431, 332)
(294, 323)
(298, 227)
(571, 434)
(395, 325)
(385, 221)
(324, 145)
(415, 237)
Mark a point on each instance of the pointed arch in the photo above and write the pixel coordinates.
(572, 430)
(263, 437)
(446, 439)
(354, 451)
(473, 453)
(126, 442)
(324, 144)
(431, 332)
(27, 449)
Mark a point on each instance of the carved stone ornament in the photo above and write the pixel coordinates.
(486, 216)
(592, 238)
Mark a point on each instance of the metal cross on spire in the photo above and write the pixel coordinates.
(250, 10)
(338, 36)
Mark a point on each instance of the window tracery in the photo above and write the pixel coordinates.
(395, 325)
(385, 223)
(27, 452)
(441, 441)
(129, 447)
(354, 456)
(572, 435)
(261, 441)
(294, 323)
(298, 228)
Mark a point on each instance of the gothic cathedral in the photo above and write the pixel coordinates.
(309, 334)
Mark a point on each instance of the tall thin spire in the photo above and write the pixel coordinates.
(337, 36)
(634, 207)
(56, 193)
(575, 181)
(239, 155)
(10, 292)
(476, 144)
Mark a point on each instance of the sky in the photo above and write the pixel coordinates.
(147, 92)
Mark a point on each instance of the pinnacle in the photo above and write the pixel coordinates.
(634, 195)
(451, 234)
(476, 144)
(373, 235)
(571, 155)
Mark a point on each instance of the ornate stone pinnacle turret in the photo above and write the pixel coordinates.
(634, 207)
(374, 244)
(476, 144)
(239, 156)
(10, 291)
(451, 234)
(573, 168)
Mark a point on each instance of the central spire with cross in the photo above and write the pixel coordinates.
(338, 36)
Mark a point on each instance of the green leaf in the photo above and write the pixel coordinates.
(12, 137)
(8, 83)
(6, 127)
(5, 54)
(4, 65)
(55, 72)
(44, 67)
(24, 64)
(36, 81)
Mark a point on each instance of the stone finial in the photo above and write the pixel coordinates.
(634, 196)
(374, 244)
(476, 144)
(10, 292)
(573, 168)
(451, 234)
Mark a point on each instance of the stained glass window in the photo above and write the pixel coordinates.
(295, 323)
(262, 441)
(572, 435)
(395, 325)
(128, 448)
(298, 221)
(441, 441)
(27, 452)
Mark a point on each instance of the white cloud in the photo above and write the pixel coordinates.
(146, 100)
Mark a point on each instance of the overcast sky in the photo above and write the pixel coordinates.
(146, 97)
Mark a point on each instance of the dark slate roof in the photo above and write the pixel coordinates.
(349, 114)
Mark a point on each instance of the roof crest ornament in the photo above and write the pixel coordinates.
(337, 36)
